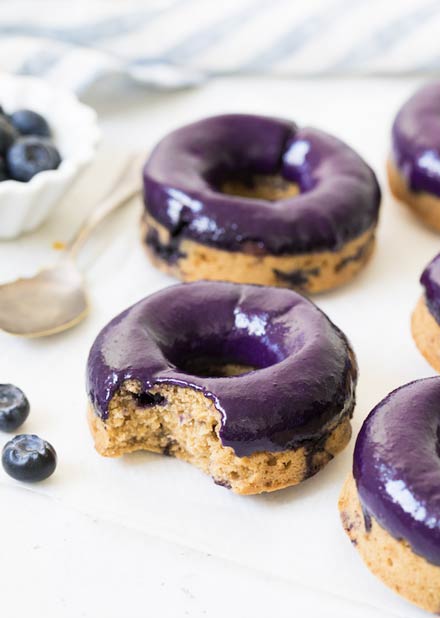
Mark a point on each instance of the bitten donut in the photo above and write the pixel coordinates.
(414, 163)
(425, 323)
(390, 507)
(254, 385)
(251, 199)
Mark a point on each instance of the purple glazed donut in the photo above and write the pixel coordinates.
(254, 385)
(430, 281)
(414, 164)
(253, 199)
(391, 506)
(425, 323)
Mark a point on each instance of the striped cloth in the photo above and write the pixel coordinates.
(177, 43)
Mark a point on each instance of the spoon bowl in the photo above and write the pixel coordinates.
(55, 298)
(51, 301)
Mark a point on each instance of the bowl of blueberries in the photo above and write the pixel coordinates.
(47, 137)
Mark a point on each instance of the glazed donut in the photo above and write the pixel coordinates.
(252, 199)
(414, 163)
(253, 385)
(425, 323)
(390, 507)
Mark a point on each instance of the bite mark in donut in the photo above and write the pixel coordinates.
(253, 385)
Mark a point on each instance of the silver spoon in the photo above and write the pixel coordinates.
(55, 299)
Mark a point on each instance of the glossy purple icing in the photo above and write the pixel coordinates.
(306, 372)
(416, 140)
(339, 196)
(397, 465)
(430, 281)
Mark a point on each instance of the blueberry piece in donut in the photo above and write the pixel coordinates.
(253, 199)
(425, 322)
(414, 162)
(252, 384)
(390, 505)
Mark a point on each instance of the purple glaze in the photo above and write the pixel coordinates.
(430, 281)
(397, 465)
(416, 140)
(339, 196)
(306, 372)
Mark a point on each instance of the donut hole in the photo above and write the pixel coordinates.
(226, 339)
(270, 187)
(215, 368)
(223, 356)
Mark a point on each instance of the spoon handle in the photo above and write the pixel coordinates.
(126, 187)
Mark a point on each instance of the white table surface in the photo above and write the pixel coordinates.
(150, 536)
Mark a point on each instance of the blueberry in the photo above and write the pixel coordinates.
(7, 135)
(29, 156)
(28, 122)
(29, 458)
(14, 407)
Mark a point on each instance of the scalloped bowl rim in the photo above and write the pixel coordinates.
(71, 163)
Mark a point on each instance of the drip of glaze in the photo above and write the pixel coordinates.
(168, 252)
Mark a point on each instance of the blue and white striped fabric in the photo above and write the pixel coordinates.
(177, 43)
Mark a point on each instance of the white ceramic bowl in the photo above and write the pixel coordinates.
(25, 205)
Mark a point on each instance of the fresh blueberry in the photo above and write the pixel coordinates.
(29, 458)
(29, 156)
(14, 407)
(27, 122)
(7, 135)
